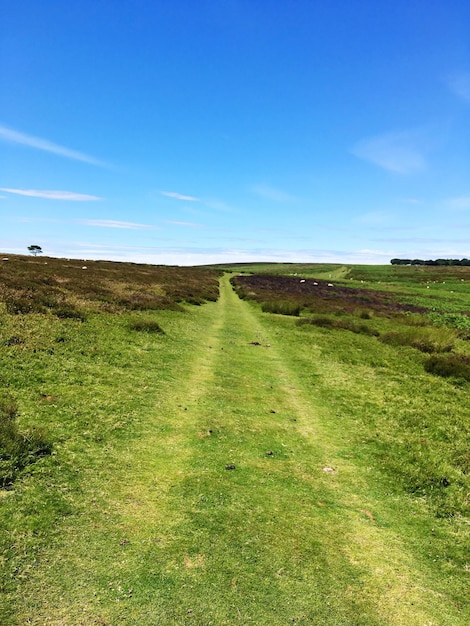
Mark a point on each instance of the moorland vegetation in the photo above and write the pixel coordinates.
(337, 396)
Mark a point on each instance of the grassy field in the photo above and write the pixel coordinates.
(222, 465)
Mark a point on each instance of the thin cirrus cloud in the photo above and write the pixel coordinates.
(179, 196)
(268, 192)
(13, 136)
(116, 224)
(398, 152)
(52, 194)
(219, 205)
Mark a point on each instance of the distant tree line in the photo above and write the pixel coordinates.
(430, 262)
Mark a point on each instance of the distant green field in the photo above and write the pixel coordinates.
(391, 274)
(314, 270)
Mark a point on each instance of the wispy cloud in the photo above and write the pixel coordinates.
(399, 152)
(272, 193)
(52, 195)
(218, 205)
(459, 84)
(179, 196)
(13, 136)
(116, 224)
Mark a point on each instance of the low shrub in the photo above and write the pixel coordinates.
(46, 300)
(17, 450)
(451, 365)
(67, 311)
(323, 322)
(146, 326)
(414, 319)
(23, 306)
(363, 329)
(282, 307)
(145, 302)
(426, 339)
(14, 341)
(336, 324)
(8, 410)
(242, 293)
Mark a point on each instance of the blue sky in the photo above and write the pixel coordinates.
(202, 131)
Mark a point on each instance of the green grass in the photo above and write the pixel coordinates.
(305, 270)
(346, 505)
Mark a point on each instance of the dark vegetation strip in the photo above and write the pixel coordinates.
(431, 262)
(68, 288)
(317, 296)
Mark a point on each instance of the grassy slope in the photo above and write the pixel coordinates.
(307, 270)
(135, 519)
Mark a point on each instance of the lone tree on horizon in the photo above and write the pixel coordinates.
(35, 250)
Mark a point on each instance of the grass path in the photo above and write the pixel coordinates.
(232, 503)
